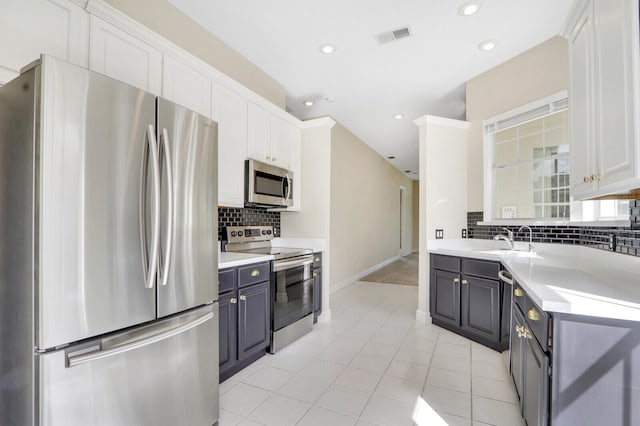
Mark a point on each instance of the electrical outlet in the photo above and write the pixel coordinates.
(612, 242)
(464, 233)
(439, 234)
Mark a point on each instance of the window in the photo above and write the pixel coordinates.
(527, 161)
(528, 154)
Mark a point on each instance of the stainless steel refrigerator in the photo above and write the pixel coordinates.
(108, 254)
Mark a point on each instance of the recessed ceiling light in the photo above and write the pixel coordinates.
(468, 8)
(327, 49)
(391, 157)
(308, 103)
(398, 116)
(487, 45)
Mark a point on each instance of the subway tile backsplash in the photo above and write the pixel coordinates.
(627, 239)
(247, 217)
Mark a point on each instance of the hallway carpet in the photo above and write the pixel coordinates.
(403, 271)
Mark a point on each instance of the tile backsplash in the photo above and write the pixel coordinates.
(247, 217)
(627, 238)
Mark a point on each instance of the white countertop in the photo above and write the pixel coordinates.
(227, 259)
(563, 278)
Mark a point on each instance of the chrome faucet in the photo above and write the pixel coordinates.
(530, 236)
(508, 238)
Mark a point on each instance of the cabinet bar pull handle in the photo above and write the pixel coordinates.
(243, 297)
(465, 282)
(233, 300)
(533, 315)
(456, 280)
(518, 292)
(255, 273)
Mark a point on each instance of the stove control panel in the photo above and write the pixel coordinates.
(244, 234)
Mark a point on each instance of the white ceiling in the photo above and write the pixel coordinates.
(365, 82)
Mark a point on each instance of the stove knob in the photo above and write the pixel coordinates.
(269, 232)
(234, 233)
(264, 232)
(240, 233)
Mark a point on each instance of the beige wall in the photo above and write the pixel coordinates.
(365, 207)
(166, 20)
(416, 214)
(534, 74)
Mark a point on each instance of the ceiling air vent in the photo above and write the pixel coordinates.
(394, 35)
(401, 33)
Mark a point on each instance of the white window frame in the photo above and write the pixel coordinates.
(532, 111)
(548, 105)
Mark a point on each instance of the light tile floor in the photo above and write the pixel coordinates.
(374, 364)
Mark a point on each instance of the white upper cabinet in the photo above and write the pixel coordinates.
(295, 153)
(604, 95)
(184, 85)
(31, 27)
(230, 111)
(258, 136)
(122, 56)
(269, 136)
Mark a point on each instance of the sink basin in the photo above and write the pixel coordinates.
(508, 252)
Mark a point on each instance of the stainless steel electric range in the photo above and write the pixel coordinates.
(291, 281)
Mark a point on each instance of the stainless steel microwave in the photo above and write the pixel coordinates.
(267, 186)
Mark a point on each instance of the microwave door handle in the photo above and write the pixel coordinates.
(288, 195)
(283, 190)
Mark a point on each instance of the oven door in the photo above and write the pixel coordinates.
(292, 290)
(267, 185)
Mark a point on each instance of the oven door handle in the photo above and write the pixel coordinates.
(282, 265)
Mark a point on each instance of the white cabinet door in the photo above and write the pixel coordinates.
(280, 137)
(230, 111)
(120, 55)
(258, 145)
(31, 27)
(581, 104)
(186, 86)
(295, 155)
(616, 46)
(605, 65)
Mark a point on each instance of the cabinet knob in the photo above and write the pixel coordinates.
(315, 274)
(533, 314)
(317, 259)
(465, 282)
(234, 300)
(586, 179)
(273, 158)
(243, 297)
(456, 280)
(518, 292)
(519, 331)
(599, 176)
(255, 273)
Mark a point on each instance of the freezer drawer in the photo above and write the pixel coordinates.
(163, 374)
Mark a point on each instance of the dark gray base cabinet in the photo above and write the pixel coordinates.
(467, 298)
(245, 313)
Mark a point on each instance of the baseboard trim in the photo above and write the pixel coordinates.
(325, 316)
(422, 316)
(342, 284)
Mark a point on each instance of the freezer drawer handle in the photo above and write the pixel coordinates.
(168, 244)
(136, 343)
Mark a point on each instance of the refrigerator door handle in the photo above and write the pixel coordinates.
(168, 245)
(155, 235)
(136, 342)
